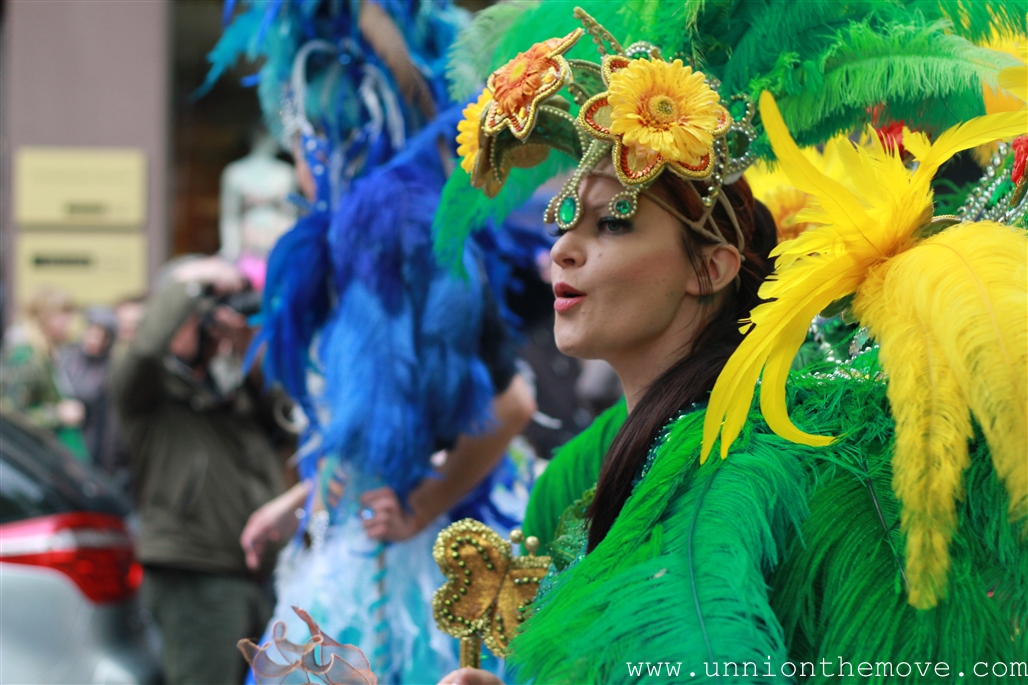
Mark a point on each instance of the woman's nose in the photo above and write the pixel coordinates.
(567, 251)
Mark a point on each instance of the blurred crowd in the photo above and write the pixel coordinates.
(55, 369)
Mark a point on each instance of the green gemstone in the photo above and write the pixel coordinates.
(623, 207)
(567, 210)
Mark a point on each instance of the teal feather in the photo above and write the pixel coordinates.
(235, 42)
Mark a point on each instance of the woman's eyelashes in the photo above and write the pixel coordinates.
(608, 224)
(614, 225)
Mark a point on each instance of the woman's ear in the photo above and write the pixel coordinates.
(722, 263)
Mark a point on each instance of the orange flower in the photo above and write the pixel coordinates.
(522, 84)
(518, 82)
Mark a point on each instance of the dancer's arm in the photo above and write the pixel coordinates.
(273, 522)
(466, 465)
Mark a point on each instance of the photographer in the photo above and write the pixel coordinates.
(200, 435)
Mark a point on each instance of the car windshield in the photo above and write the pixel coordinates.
(38, 478)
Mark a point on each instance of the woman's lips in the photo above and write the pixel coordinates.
(565, 297)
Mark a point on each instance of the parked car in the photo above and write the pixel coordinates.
(69, 611)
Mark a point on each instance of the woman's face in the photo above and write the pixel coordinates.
(56, 325)
(621, 285)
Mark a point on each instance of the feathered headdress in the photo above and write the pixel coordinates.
(833, 67)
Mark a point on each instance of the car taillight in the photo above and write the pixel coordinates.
(94, 550)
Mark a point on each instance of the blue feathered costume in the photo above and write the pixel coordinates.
(381, 347)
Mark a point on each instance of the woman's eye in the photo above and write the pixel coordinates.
(614, 225)
(556, 231)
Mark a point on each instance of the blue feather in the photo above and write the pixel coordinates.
(400, 353)
(296, 302)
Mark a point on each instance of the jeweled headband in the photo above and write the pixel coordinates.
(645, 114)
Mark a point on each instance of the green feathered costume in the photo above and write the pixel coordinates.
(758, 567)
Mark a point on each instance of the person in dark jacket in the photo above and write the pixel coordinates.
(200, 438)
(86, 365)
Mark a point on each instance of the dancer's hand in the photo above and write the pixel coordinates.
(272, 523)
(470, 676)
(385, 519)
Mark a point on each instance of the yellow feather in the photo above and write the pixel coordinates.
(785, 202)
(860, 231)
(853, 169)
(951, 316)
(780, 327)
(1014, 80)
(984, 129)
(838, 203)
(932, 421)
(980, 316)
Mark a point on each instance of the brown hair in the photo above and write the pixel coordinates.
(693, 376)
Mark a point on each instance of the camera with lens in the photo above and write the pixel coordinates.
(246, 302)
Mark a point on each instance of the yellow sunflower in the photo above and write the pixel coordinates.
(662, 108)
(469, 130)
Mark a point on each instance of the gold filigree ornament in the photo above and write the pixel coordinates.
(488, 590)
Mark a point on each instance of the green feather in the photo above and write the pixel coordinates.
(918, 73)
(554, 19)
(470, 57)
(841, 592)
(977, 20)
(685, 559)
(829, 64)
(464, 209)
(684, 572)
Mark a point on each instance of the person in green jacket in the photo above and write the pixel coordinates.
(34, 380)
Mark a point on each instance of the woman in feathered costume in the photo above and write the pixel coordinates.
(407, 358)
(876, 529)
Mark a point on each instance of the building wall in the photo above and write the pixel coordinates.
(86, 73)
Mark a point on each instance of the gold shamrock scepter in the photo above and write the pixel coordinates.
(488, 590)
